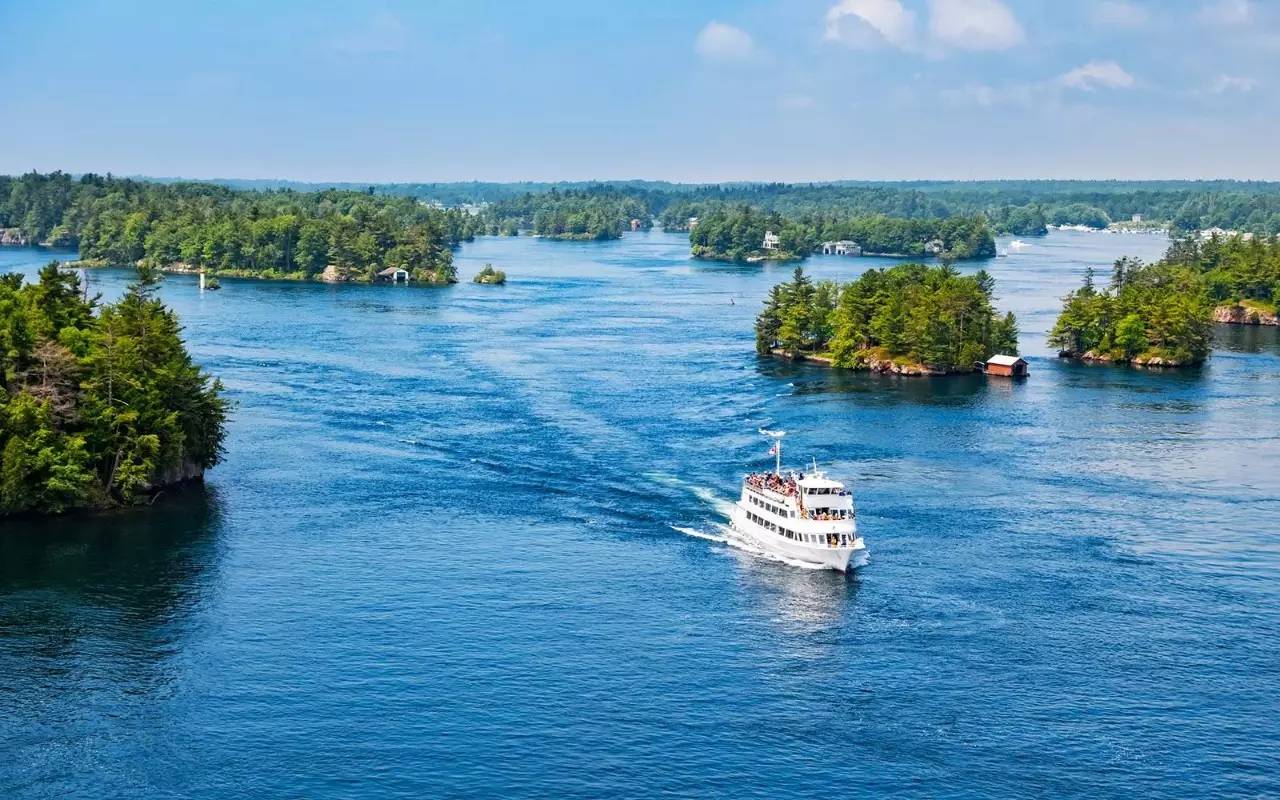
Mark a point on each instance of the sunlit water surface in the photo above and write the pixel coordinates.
(468, 542)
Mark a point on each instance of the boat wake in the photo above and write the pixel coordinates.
(726, 535)
(721, 532)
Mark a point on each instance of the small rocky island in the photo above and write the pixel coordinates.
(489, 275)
(100, 406)
(910, 319)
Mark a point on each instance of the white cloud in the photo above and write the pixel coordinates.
(1043, 93)
(974, 24)
(862, 23)
(383, 33)
(1121, 14)
(721, 42)
(1233, 83)
(1227, 12)
(1097, 75)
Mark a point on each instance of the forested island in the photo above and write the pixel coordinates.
(1150, 314)
(740, 234)
(100, 405)
(491, 276)
(1162, 314)
(332, 235)
(910, 319)
(594, 213)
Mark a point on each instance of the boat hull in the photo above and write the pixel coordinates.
(842, 559)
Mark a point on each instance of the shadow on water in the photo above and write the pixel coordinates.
(882, 389)
(1247, 338)
(123, 574)
(1084, 375)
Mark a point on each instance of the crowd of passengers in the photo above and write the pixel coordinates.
(787, 486)
(773, 482)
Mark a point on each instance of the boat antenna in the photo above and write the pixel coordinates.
(776, 450)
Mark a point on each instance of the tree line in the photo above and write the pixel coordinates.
(911, 314)
(100, 405)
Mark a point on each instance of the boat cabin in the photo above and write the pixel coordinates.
(810, 497)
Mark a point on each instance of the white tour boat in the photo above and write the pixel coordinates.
(803, 516)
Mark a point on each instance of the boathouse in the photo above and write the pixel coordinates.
(1007, 366)
(394, 275)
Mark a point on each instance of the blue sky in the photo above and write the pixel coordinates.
(695, 91)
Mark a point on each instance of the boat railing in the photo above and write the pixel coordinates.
(767, 491)
(817, 516)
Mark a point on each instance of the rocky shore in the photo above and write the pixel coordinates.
(880, 366)
(1244, 315)
(1095, 357)
(13, 237)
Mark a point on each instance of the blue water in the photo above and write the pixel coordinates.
(468, 542)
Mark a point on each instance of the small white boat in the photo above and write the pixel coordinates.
(804, 516)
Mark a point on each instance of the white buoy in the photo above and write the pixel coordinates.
(202, 280)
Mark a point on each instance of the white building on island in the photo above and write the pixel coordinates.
(842, 247)
(771, 241)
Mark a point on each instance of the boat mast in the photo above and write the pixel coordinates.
(776, 449)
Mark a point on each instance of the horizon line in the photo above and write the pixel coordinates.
(682, 182)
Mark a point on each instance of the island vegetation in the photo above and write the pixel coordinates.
(910, 319)
(1162, 314)
(100, 405)
(490, 275)
(1022, 208)
(738, 234)
(333, 235)
(1241, 274)
(1150, 314)
(595, 213)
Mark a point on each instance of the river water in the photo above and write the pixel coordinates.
(469, 542)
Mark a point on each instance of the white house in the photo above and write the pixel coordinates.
(842, 247)
(771, 241)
